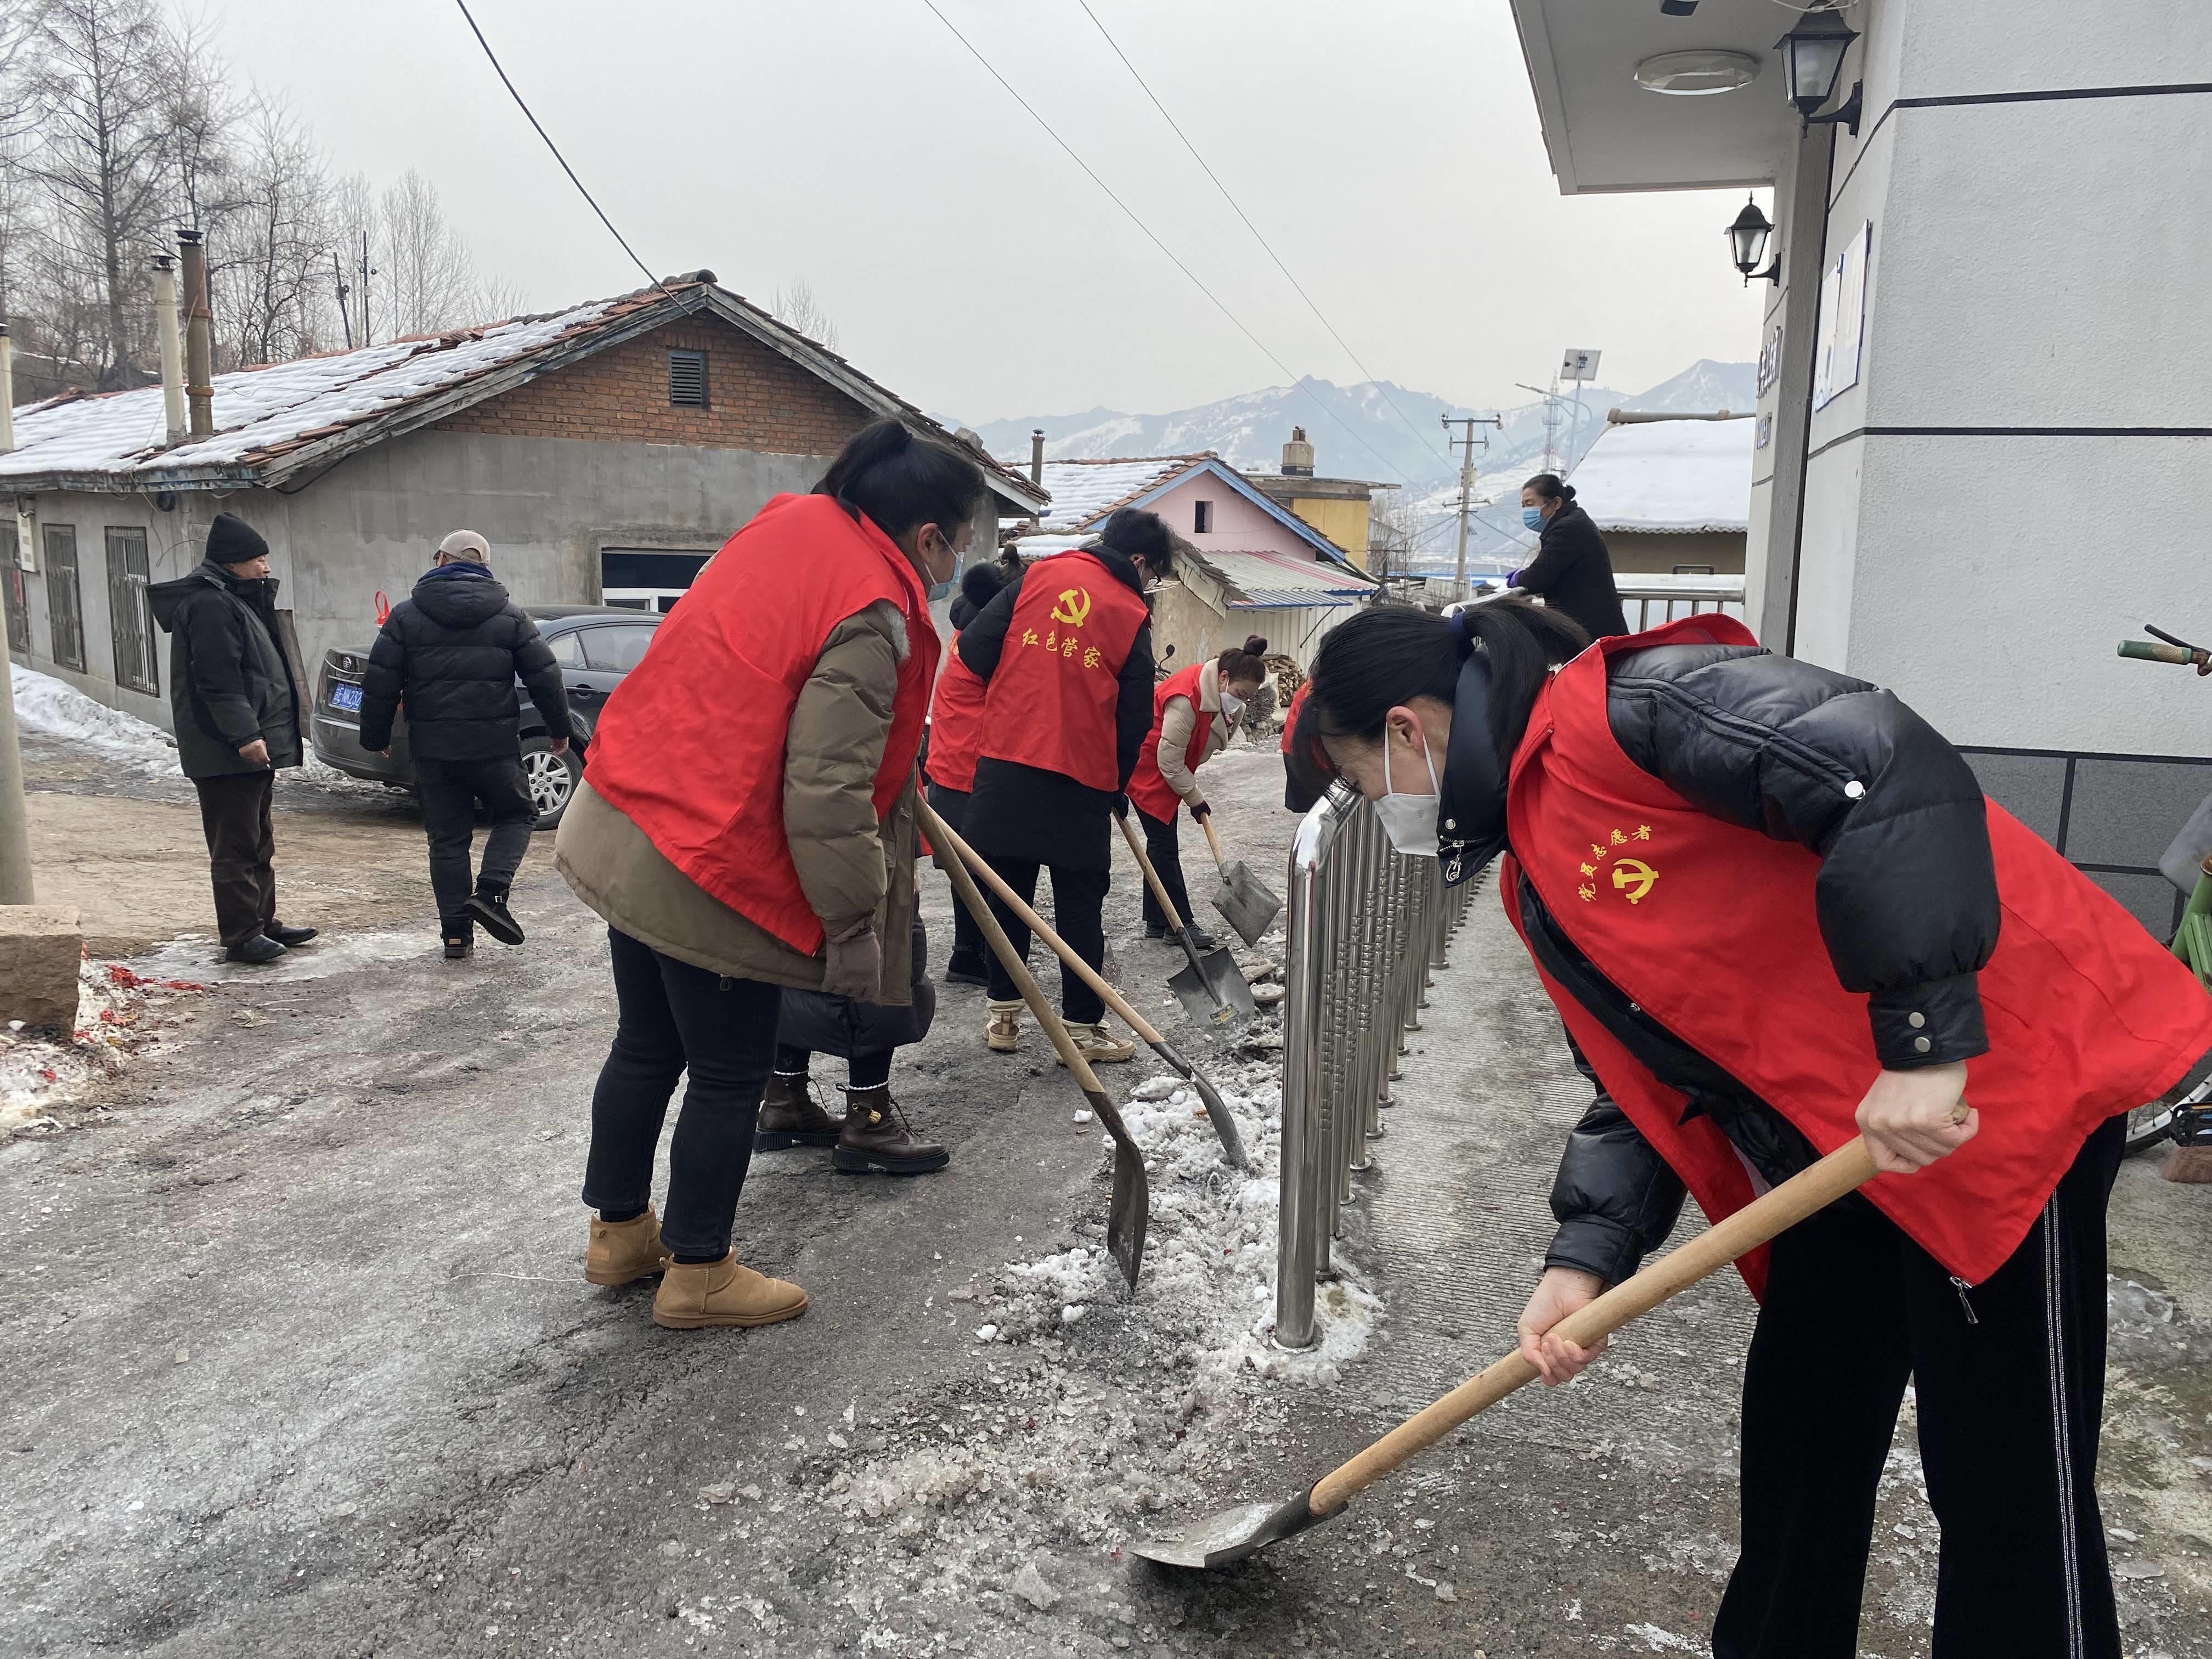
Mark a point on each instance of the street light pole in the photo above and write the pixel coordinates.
(1465, 444)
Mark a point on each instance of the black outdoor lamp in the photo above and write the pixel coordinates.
(1747, 238)
(1812, 56)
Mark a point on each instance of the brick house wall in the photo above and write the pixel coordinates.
(755, 400)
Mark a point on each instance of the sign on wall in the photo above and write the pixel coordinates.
(1842, 319)
(1770, 360)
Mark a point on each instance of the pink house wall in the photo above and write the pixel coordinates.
(1237, 526)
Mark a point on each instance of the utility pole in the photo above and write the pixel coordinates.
(367, 336)
(345, 316)
(1464, 442)
(15, 816)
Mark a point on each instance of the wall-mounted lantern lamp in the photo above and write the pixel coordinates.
(1747, 238)
(1812, 56)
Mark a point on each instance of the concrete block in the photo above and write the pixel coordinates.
(40, 947)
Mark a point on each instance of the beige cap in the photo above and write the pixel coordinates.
(465, 544)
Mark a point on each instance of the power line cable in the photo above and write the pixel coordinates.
(1427, 442)
(1219, 304)
(556, 148)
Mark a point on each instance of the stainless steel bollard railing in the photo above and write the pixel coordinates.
(1366, 930)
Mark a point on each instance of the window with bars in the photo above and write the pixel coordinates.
(687, 380)
(64, 604)
(129, 617)
(18, 597)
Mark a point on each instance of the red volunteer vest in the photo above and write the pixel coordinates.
(1051, 703)
(690, 746)
(955, 725)
(1148, 787)
(1291, 714)
(1711, 929)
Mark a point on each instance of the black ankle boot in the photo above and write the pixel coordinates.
(459, 935)
(490, 908)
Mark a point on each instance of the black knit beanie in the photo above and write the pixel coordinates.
(232, 541)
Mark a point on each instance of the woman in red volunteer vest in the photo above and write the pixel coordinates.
(956, 733)
(1194, 712)
(1066, 651)
(745, 823)
(1303, 783)
(1774, 909)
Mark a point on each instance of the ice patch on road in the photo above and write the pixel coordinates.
(120, 1014)
(54, 708)
(196, 957)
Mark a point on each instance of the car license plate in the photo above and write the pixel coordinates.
(347, 697)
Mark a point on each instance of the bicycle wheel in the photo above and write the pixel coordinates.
(2152, 1123)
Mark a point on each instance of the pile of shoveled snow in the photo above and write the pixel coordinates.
(53, 708)
(120, 1014)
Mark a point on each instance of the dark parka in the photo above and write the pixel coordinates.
(231, 678)
(1907, 897)
(454, 651)
(1573, 573)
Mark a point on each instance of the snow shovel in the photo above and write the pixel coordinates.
(1212, 989)
(1129, 1210)
(1233, 1534)
(1243, 898)
(1232, 1145)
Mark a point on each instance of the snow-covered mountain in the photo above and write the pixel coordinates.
(1375, 430)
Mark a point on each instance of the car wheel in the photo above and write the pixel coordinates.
(552, 778)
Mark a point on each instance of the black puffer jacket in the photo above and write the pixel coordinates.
(231, 678)
(825, 1025)
(1907, 896)
(453, 652)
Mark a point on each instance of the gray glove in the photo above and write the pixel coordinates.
(856, 967)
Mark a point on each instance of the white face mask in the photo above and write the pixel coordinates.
(1232, 704)
(1410, 821)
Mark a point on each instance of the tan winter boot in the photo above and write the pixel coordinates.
(621, 1251)
(724, 1292)
(877, 1136)
(789, 1117)
(1004, 1034)
(1099, 1045)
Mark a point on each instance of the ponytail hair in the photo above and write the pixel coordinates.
(1386, 657)
(1245, 663)
(1549, 487)
(901, 481)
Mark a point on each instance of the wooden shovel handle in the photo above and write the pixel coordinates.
(1214, 841)
(942, 833)
(1152, 876)
(1844, 1171)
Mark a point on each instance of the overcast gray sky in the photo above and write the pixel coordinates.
(1390, 150)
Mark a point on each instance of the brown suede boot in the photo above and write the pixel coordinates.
(877, 1136)
(621, 1251)
(724, 1292)
(790, 1117)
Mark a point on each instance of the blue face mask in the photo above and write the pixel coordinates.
(1533, 517)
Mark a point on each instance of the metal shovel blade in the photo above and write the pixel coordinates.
(1212, 988)
(1231, 1535)
(1127, 1211)
(1245, 904)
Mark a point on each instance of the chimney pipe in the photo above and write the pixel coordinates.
(199, 343)
(1298, 455)
(7, 391)
(1036, 456)
(172, 350)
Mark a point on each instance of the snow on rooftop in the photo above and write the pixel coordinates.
(1276, 579)
(261, 408)
(1082, 490)
(1662, 476)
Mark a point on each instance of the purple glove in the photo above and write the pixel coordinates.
(1513, 578)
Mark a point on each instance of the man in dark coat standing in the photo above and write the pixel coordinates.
(453, 652)
(1572, 571)
(233, 698)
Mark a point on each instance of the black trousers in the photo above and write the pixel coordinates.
(2009, 1377)
(1164, 849)
(672, 1018)
(242, 840)
(449, 791)
(969, 947)
(1078, 917)
(869, 1070)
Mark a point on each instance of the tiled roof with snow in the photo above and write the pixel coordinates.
(1085, 492)
(1668, 476)
(262, 415)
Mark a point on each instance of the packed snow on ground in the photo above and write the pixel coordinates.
(121, 1015)
(52, 708)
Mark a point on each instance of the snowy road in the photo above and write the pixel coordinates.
(301, 1361)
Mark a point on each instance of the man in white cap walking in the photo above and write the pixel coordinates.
(453, 653)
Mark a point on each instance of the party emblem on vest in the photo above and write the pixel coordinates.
(1074, 607)
(1632, 878)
